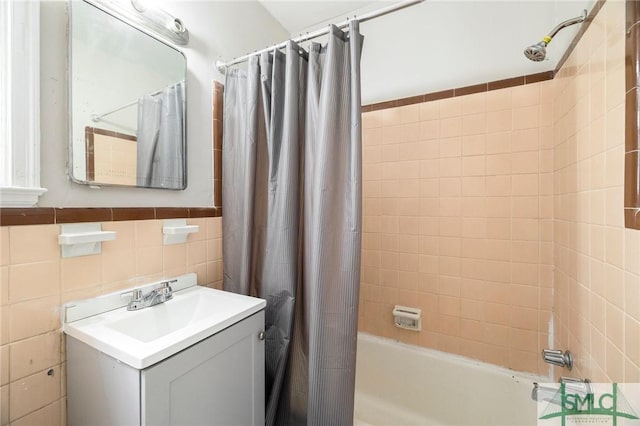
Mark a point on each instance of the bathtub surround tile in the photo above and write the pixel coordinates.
(526, 117)
(506, 83)
(632, 99)
(538, 77)
(472, 330)
(523, 360)
(632, 179)
(632, 340)
(518, 175)
(526, 140)
(409, 112)
(459, 92)
(614, 363)
(524, 96)
(408, 337)
(593, 256)
(449, 344)
(469, 90)
(391, 117)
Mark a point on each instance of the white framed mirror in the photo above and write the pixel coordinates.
(127, 103)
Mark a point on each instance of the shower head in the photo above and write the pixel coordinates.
(538, 52)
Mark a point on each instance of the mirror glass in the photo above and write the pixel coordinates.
(127, 104)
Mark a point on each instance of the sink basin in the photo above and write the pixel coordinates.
(144, 337)
(160, 320)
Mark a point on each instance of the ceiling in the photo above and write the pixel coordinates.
(440, 44)
(296, 16)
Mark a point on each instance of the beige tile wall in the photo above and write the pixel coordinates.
(597, 274)
(458, 207)
(474, 209)
(489, 211)
(35, 281)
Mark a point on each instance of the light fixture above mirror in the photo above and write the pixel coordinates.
(145, 15)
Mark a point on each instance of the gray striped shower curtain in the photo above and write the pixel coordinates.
(160, 139)
(291, 193)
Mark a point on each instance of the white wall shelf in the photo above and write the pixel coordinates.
(82, 239)
(176, 231)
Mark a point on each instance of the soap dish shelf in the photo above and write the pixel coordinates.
(176, 231)
(82, 239)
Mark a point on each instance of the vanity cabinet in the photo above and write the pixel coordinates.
(217, 381)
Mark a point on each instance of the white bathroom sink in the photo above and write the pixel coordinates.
(144, 337)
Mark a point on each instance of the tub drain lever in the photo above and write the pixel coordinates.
(557, 357)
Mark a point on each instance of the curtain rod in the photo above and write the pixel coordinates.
(98, 117)
(222, 66)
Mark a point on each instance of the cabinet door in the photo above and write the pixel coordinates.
(218, 381)
(101, 391)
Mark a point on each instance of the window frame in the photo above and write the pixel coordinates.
(20, 106)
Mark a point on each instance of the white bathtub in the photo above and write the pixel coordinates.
(398, 384)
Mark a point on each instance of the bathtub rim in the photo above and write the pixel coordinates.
(457, 359)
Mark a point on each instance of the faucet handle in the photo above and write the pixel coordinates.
(557, 357)
(136, 301)
(167, 284)
(166, 290)
(136, 295)
(165, 287)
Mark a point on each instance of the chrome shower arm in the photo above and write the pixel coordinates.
(538, 52)
(568, 23)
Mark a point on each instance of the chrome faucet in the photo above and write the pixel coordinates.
(553, 394)
(557, 357)
(158, 295)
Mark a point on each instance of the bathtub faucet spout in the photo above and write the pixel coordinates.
(553, 394)
(543, 393)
